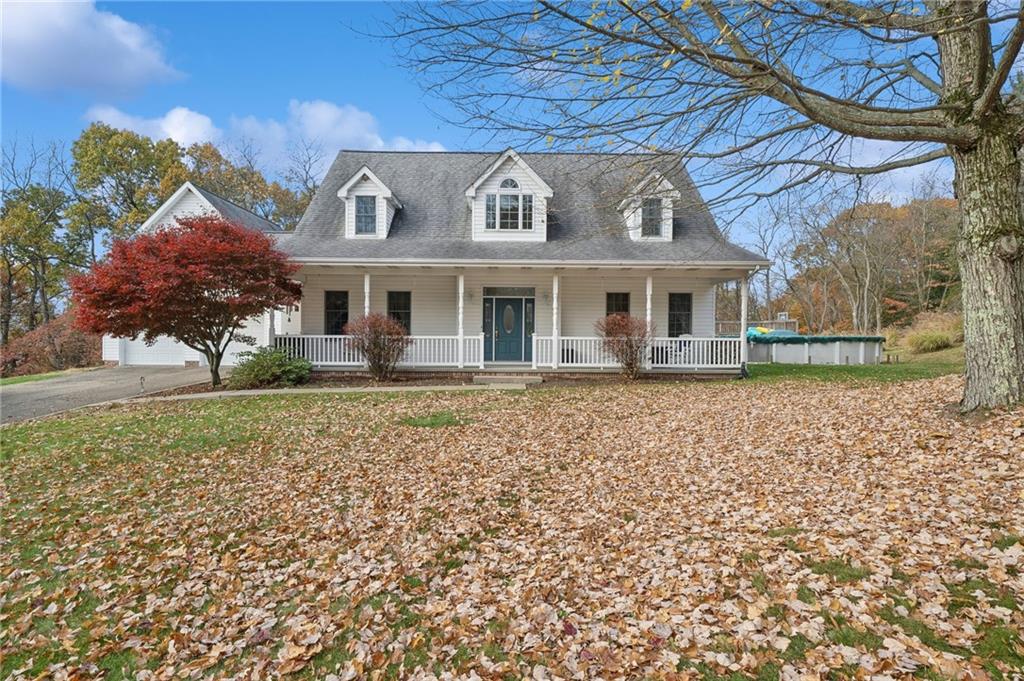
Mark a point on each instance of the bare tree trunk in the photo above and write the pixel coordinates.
(991, 256)
(44, 300)
(990, 249)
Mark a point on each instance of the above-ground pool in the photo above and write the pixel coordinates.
(786, 347)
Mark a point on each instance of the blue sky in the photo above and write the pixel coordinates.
(270, 72)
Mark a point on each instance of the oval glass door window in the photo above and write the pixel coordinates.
(508, 319)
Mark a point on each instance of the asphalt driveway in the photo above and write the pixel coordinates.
(38, 398)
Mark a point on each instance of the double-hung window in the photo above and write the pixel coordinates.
(400, 308)
(680, 314)
(650, 217)
(616, 303)
(366, 215)
(335, 312)
(508, 213)
(509, 209)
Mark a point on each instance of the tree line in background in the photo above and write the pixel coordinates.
(62, 207)
(854, 263)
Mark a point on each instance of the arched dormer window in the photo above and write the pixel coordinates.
(509, 209)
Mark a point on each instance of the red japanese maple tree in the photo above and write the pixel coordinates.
(197, 282)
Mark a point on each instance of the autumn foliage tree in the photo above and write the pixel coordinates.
(197, 282)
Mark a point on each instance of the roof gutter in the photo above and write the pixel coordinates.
(751, 266)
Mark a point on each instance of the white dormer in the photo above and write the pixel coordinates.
(369, 206)
(509, 202)
(648, 211)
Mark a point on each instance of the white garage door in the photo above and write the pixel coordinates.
(165, 351)
(169, 352)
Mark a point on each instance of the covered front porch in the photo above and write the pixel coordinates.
(513, 318)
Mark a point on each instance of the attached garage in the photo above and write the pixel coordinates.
(165, 351)
(169, 352)
(188, 201)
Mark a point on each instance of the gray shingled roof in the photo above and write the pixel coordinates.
(230, 210)
(584, 224)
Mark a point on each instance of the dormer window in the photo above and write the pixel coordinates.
(650, 218)
(647, 209)
(509, 209)
(509, 201)
(370, 206)
(366, 214)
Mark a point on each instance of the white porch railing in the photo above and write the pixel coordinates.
(321, 350)
(423, 351)
(684, 352)
(574, 352)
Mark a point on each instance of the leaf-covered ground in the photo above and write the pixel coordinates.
(658, 531)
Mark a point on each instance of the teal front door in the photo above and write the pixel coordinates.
(508, 330)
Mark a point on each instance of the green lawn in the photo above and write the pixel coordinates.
(910, 367)
(29, 378)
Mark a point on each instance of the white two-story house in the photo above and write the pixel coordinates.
(506, 261)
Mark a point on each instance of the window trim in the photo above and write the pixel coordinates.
(493, 208)
(608, 300)
(657, 222)
(491, 211)
(328, 310)
(357, 215)
(391, 308)
(689, 314)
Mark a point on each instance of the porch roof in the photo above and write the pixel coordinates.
(584, 225)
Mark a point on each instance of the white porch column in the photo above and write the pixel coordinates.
(650, 293)
(122, 351)
(744, 293)
(462, 308)
(271, 331)
(366, 294)
(556, 331)
(649, 317)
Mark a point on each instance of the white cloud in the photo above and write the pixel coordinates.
(50, 46)
(335, 126)
(181, 124)
(332, 126)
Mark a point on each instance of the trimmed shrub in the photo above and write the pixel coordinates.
(54, 346)
(268, 367)
(381, 340)
(928, 341)
(626, 339)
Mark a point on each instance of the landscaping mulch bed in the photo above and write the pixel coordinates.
(729, 530)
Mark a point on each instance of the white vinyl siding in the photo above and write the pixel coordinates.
(189, 204)
(582, 297)
(384, 211)
(509, 169)
(110, 349)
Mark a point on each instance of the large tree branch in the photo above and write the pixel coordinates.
(879, 18)
(990, 95)
(842, 115)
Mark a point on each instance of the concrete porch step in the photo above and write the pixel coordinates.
(491, 379)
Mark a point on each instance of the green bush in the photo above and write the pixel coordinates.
(267, 367)
(928, 341)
